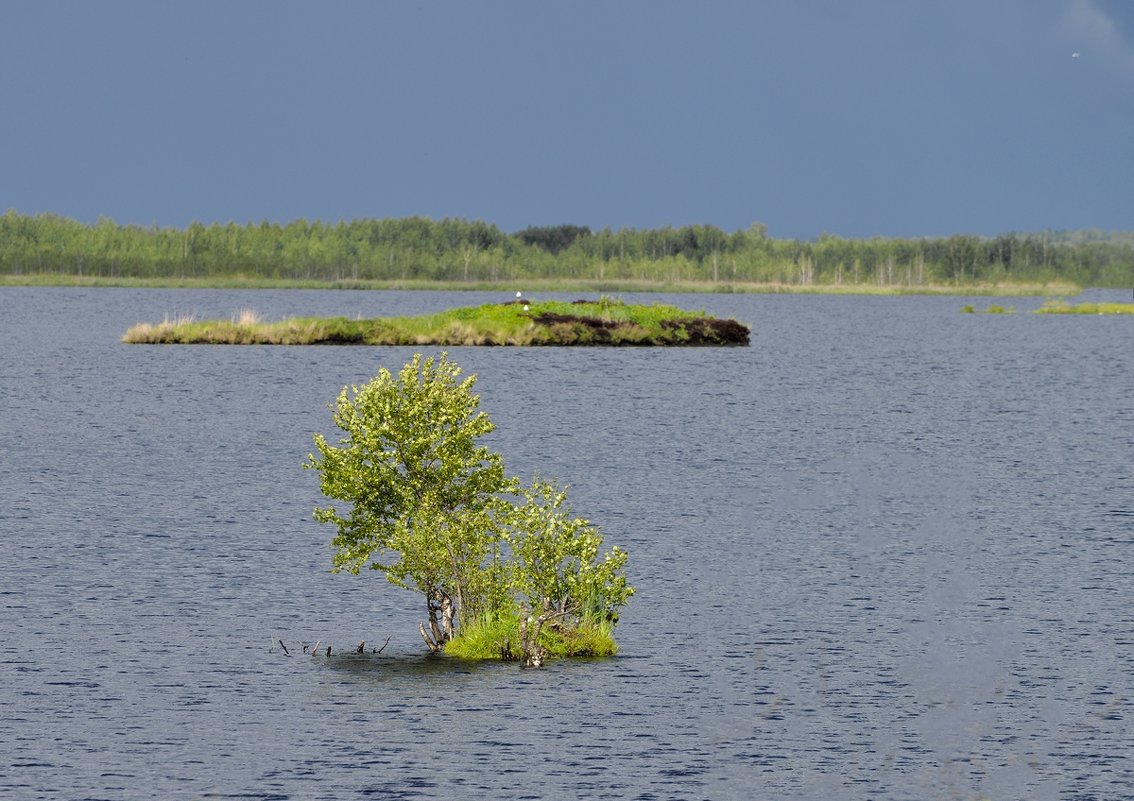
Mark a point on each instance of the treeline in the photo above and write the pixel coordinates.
(418, 248)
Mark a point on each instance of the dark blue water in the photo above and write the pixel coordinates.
(884, 553)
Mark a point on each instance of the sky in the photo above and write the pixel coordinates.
(895, 118)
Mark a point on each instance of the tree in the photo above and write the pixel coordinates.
(555, 238)
(424, 496)
(435, 511)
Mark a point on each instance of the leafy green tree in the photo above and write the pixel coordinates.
(434, 510)
(424, 495)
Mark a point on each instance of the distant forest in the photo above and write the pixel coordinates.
(418, 248)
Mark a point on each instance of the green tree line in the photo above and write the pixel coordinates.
(418, 248)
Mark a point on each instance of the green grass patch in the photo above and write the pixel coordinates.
(499, 637)
(1062, 307)
(605, 321)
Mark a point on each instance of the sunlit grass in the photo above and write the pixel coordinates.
(486, 638)
(163, 329)
(247, 317)
(494, 637)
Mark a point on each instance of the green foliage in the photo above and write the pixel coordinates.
(417, 249)
(553, 239)
(435, 512)
(423, 493)
(556, 559)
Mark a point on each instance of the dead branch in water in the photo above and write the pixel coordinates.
(328, 650)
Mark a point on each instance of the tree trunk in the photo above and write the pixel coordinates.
(534, 654)
(430, 643)
(435, 638)
(447, 617)
(529, 642)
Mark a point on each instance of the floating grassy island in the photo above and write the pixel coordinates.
(1061, 307)
(519, 322)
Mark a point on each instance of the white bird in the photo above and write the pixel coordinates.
(1074, 55)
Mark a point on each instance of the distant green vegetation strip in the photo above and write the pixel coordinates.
(1061, 307)
(626, 286)
(602, 322)
(470, 252)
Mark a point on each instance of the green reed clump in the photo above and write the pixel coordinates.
(499, 637)
(486, 637)
(993, 308)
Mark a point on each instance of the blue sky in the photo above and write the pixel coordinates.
(865, 118)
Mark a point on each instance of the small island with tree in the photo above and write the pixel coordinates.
(606, 321)
(503, 569)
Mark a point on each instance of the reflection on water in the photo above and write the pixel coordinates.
(882, 553)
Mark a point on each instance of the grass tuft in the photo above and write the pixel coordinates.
(486, 638)
(247, 317)
(495, 637)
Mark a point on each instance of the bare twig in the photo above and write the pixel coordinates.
(383, 648)
(286, 652)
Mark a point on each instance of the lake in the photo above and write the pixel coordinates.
(883, 553)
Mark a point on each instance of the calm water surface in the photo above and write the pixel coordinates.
(884, 553)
